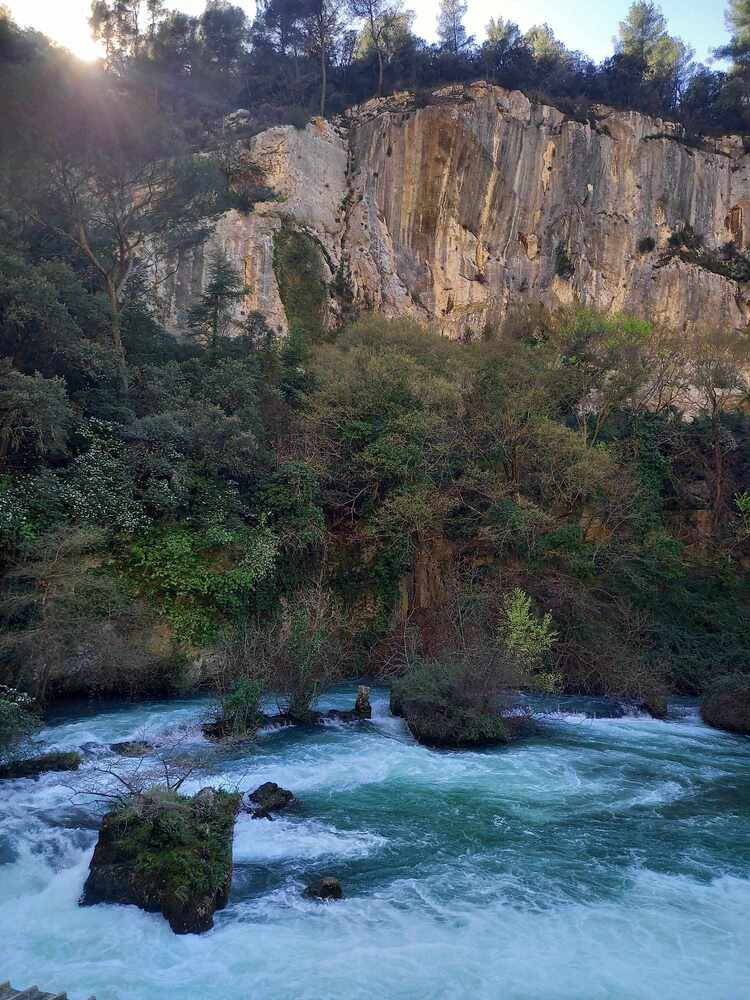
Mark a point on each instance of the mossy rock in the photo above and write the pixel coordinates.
(441, 711)
(32, 767)
(167, 854)
(727, 705)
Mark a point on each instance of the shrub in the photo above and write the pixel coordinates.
(727, 704)
(646, 245)
(564, 266)
(19, 721)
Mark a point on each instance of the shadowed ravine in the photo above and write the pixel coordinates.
(601, 857)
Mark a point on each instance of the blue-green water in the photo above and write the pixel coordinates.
(599, 858)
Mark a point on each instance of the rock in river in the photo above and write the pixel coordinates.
(167, 854)
(326, 888)
(267, 798)
(32, 767)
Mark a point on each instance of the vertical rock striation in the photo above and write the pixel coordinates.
(482, 200)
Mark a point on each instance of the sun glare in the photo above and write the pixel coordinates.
(65, 23)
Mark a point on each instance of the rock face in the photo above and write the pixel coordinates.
(168, 854)
(459, 211)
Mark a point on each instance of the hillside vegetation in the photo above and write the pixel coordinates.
(275, 514)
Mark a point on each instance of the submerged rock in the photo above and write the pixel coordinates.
(132, 748)
(32, 767)
(267, 798)
(362, 710)
(727, 705)
(326, 888)
(168, 854)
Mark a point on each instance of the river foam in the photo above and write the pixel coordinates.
(600, 858)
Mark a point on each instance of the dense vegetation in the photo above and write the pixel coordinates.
(370, 499)
(300, 57)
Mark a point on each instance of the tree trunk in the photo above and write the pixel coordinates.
(380, 71)
(323, 79)
(718, 476)
(114, 306)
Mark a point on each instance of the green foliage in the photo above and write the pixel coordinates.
(19, 721)
(200, 579)
(35, 415)
(524, 636)
(299, 268)
(240, 711)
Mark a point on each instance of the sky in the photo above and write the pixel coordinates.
(588, 25)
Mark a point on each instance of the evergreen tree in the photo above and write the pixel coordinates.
(210, 318)
(451, 28)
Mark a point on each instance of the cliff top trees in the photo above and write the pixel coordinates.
(380, 17)
(451, 29)
(665, 60)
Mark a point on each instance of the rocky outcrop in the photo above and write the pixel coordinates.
(268, 798)
(727, 705)
(32, 767)
(459, 211)
(167, 854)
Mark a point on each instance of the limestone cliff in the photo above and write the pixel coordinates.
(456, 211)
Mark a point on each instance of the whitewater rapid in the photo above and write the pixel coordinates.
(599, 858)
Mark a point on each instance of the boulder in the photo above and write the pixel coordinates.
(727, 705)
(362, 706)
(267, 798)
(132, 748)
(167, 853)
(655, 704)
(32, 767)
(362, 709)
(326, 888)
(442, 709)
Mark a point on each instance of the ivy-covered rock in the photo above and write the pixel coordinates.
(32, 767)
(727, 705)
(167, 854)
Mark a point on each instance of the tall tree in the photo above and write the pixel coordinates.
(667, 60)
(379, 16)
(211, 316)
(106, 174)
(451, 28)
(323, 25)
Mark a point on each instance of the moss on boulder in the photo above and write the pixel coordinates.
(727, 705)
(442, 709)
(167, 854)
(32, 767)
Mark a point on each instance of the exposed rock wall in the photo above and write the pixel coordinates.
(460, 210)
